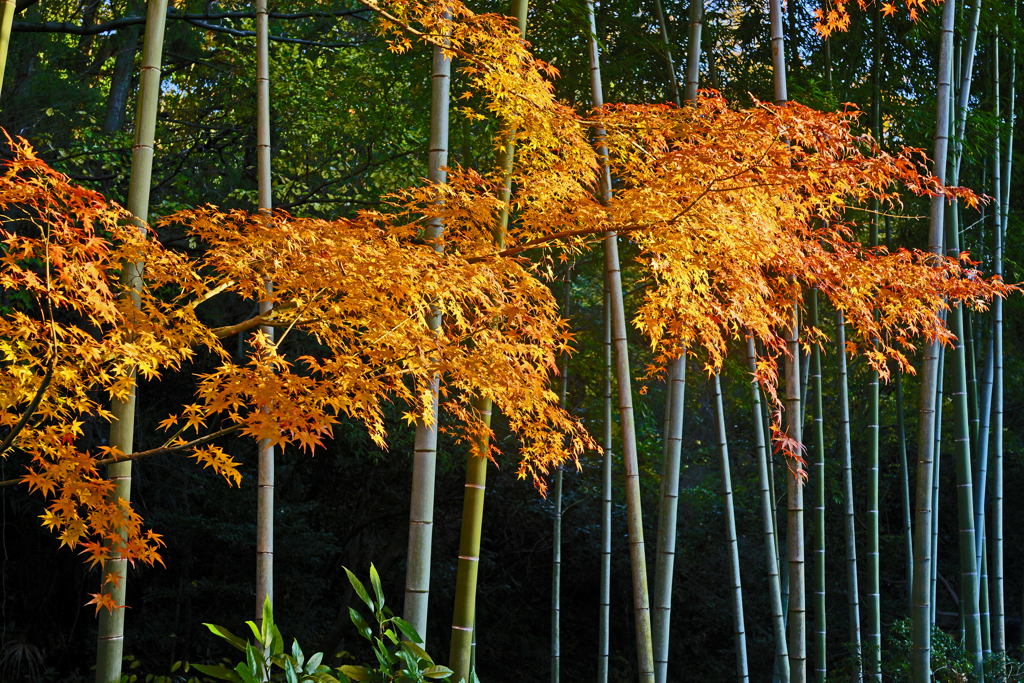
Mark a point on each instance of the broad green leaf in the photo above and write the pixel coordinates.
(391, 636)
(227, 635)
(360, 673)
(408, 630)
(254, 659)
(278, 644)
(437, 671)
(268, 620)
(417, 650)
(364, 629)
(375, 582)
(360, 589)
(289, 672)
(314, 662)
(175, 666)
(297, 653)
(245, 674)
(217, 671)
(410, 662)
(255, 631)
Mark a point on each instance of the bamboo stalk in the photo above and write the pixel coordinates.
(768, 524)
(694, 49)
(908, 533)
(604, 608)
(638, 560)
(817, 478)
(469, 553)
(110, 640)
(739, 631)
(7, 9)
(421, 507)
(265, 474)
(661, 618)
(923, 551)
(556, 536)
(666, 47)
(849, 527)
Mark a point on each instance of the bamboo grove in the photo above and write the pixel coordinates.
(750, 231)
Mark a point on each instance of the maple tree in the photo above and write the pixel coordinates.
(733, 211)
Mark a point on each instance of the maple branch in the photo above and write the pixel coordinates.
(139, 455)
(32, 406)
(210, 294)
(264, 319)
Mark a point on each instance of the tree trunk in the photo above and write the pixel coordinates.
(768, 524)
(421, 512)
(739, 631)
(908, 534)
(923, 551)
(641, 600)
(110, 641)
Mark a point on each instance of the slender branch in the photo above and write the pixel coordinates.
(139, 455)
(32, 406)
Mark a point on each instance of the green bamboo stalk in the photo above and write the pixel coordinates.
(110, 640)
(459, 660)
(7, 9)
(421, 507)
(923, 552)
(986, 633)
(937, 478)
(846, 461)
(265, 467)
(998, 596)
(641, 600)
(739, 631)
(666, 47)
(556, 536)
(666, 545)
(694, 49)
(768, 524)
(797, 611)
(604, 608)
(463, 619)
(817, 478)
(908, 532)
(969, 580)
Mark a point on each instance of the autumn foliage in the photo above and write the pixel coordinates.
(734, 213)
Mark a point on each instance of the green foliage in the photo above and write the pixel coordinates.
(397, 659)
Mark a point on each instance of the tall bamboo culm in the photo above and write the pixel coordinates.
(421, 507)
(607, 461)
(739, 630)
(464, 617)
(661, 619)
(849, 526)
(998, 590)
(666, 46)
(7, 8)
(666, 546)
(265, 474)
(634, 514)
(768, 522)
(922, 595)
(110, 641)
(556, 536)
(797, 609)
(817, 480)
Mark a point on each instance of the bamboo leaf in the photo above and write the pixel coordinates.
(360, 589)
(437, 671)
(217, 671)
(227, 635)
